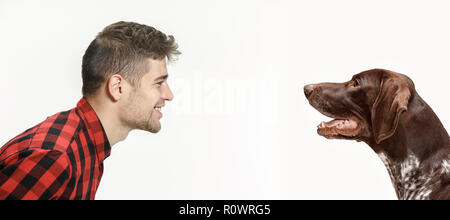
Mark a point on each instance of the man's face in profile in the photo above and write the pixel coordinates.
(143, 104)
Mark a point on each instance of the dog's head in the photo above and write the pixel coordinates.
(366, 107)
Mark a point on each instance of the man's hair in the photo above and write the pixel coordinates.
(123, 48)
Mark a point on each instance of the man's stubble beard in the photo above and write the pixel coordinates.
(137, 118)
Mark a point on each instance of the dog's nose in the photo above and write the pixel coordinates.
(308, 89)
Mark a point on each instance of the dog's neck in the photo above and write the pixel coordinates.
(417, 160)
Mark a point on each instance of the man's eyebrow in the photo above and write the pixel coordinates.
(163, 77)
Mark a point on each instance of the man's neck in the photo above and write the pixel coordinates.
(107, 115)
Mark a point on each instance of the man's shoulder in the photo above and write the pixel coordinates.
(54, 133)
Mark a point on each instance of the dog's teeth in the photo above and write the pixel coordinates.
(321, 125)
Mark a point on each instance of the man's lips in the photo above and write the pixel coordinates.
(158, 108)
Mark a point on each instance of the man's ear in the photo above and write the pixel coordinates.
(114, 87)
(391, 102)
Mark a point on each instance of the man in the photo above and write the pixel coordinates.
(124, 88)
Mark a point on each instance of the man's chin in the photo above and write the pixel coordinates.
(154, 131)
(155, 128)
(152, 128)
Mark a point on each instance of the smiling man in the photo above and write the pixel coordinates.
(124, 88)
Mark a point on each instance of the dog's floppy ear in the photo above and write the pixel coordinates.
(391, 102)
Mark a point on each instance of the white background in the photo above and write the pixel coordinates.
(239, 126)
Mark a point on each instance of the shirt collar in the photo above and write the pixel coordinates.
(95, 129)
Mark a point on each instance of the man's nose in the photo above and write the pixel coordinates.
(308, 90)
(168, 95)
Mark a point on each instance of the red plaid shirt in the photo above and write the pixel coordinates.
(60, 158)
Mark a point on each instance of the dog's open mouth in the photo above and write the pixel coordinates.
(339, 128)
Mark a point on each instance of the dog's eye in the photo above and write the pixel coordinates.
(356, 83)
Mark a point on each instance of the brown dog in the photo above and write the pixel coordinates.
(383, 109)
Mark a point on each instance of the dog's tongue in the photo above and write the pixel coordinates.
(338, 126)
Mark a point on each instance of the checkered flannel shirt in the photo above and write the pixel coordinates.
(60, 158)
